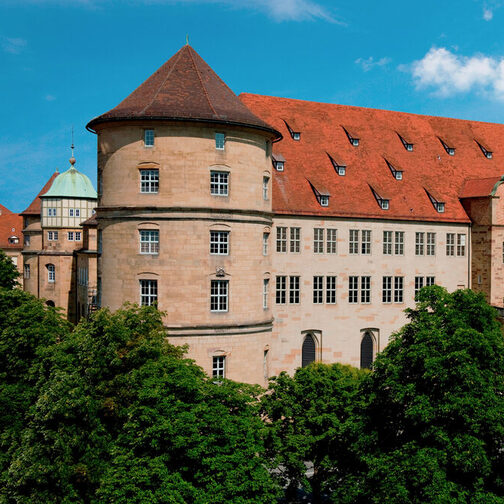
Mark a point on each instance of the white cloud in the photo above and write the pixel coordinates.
(487, 14)
(13, 45)
(370, 63)
(448, 73)
(278, 10)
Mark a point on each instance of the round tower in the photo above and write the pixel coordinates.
(184, 214)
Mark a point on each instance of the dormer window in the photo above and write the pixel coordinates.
(324, 200)
(486, 152)
(278, 162)
(339, 166)
(13, 240)
(352, 138)
(321, 195)
(397, 174)
(449, 150)
(384, 203)
(295, 135)
(436, 203)
(408, 146)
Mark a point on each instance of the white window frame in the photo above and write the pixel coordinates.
(219, 183)
(294, 289)
(318, 240)
(398, 289)
(26, 271)
(419, 243)
(265, 293)
(461, 244)
(219, 242)
(219, 296)
(265, 188)
(149, 241)
(281, 239)
(450, 244)
(331, 289)
(149, 138)
(365, 293)
(419, 284)
(295, 240)
(220, 141)
(281, 289)
(51, 273)
(149, 181)
(331, 240)
(431, 244)
(265, 244)
(399, 242)
(353, 242)
(366, 242)
(219, 366)
(148, 292)
(78, 236)
(52, 235)
(353, 289)
(70, 236)
(388, 242)
(387, 289)
(318, 289)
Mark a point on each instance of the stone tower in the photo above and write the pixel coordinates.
(184, 214)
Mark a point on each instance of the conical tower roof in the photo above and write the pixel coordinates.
(184, 88)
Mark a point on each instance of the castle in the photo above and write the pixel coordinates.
(272, 232)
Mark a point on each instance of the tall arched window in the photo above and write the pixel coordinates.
(308, 350)
(51, 273)
(366, 351)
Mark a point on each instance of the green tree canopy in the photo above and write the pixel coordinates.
(431, 429)
(306, 419)
(8, 272)
(125, 418)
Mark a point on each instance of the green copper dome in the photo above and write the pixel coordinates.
(71, 184)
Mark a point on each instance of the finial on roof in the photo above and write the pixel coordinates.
(72, 159)
(187, 39)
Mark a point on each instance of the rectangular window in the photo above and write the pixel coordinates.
(353, 289)
(219, 183)
(450, 244)
(366, 289)
(78, 236)
(430, 280)
(398, 289)
(219, 242)
(431, 244)
(70, 236)
(219, 295)
(52, 235)
(399, 243)
(318, 240)
(332, 238)
(219, 366)
(387, 289)
(387, 242)
(149, 181)
(265, 292)
(77, 212)
(265, 243)
(220, 141)
(149, 138)
(27, 240)
(51, 273)
(148, 292)
(461, 243)
(27, 271)
(330, 289)
(354, 241)
(419, 243)
(265, 187)
(294, 289)
(318, 289)
(71, 212)
(419, 283)
(51, 212)
(281, 290)
(149, 242)
(281, 239)
(366, 242)
(295, 239)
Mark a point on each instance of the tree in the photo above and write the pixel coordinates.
(432, 425)
(125, 418)
(306, 419)
(28, 332)
(8, 272)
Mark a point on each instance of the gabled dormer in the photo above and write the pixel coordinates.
(352, 136)
(448, 147)
(396, 173)
(293, 131)
(484, 148)
(321, 193)
(338, 165)
(278, 162)
(406, 143)
(383, 202)
(436, 200)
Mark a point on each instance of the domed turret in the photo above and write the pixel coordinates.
(71, 184)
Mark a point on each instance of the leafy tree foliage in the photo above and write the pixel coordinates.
(306, 418)
(432, 426)
(8, 272)
(28, 332)
(124, 418)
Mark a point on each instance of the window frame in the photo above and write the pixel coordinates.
(398, 289)
(148, 246)
(281, 239)
(332, 240)
(331, 286)
(149, 181)
(318, 240)
(281, 289)
(148, 290)
(219, 182)
(149, 137)
(318, 289)
(219, 296)
(295, 240)
(353, 242)
(366, 242)
(219, 366)
(419, 243)
(387, 289)
(265, 293)
(220, 141)
(51, 273)
(294, 289)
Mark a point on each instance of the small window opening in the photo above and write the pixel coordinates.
(295, 135)
(149, 138)
(278, 162)
(438, 205)
(324, 200)
(397, 174)
(220, 141)
(382, 202)
(308, 350)
(407, 145)
(338, 166)
(366, 359)
(351, 138)
(450, 150)
(486, 152)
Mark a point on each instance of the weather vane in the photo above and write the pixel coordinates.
(187, 39)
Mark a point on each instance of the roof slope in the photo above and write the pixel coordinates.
(186, 88)
(34, 208)
(11, 224)
(480, 188)
(4, 210)
(428, 167)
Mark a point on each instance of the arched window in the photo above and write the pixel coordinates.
(51, 273)
(366, 351)
(308, 350)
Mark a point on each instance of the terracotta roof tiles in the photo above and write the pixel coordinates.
(11, 225)
(428, 165)
(35, 205)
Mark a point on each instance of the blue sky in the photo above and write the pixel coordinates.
(65, 61)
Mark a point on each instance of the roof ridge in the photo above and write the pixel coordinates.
(201, 82)
(162, 84)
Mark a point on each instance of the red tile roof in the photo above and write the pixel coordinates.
(478, 188)
(428, 166)
(11, 225)
(34, 208)
(184, 88)
(4, 210)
